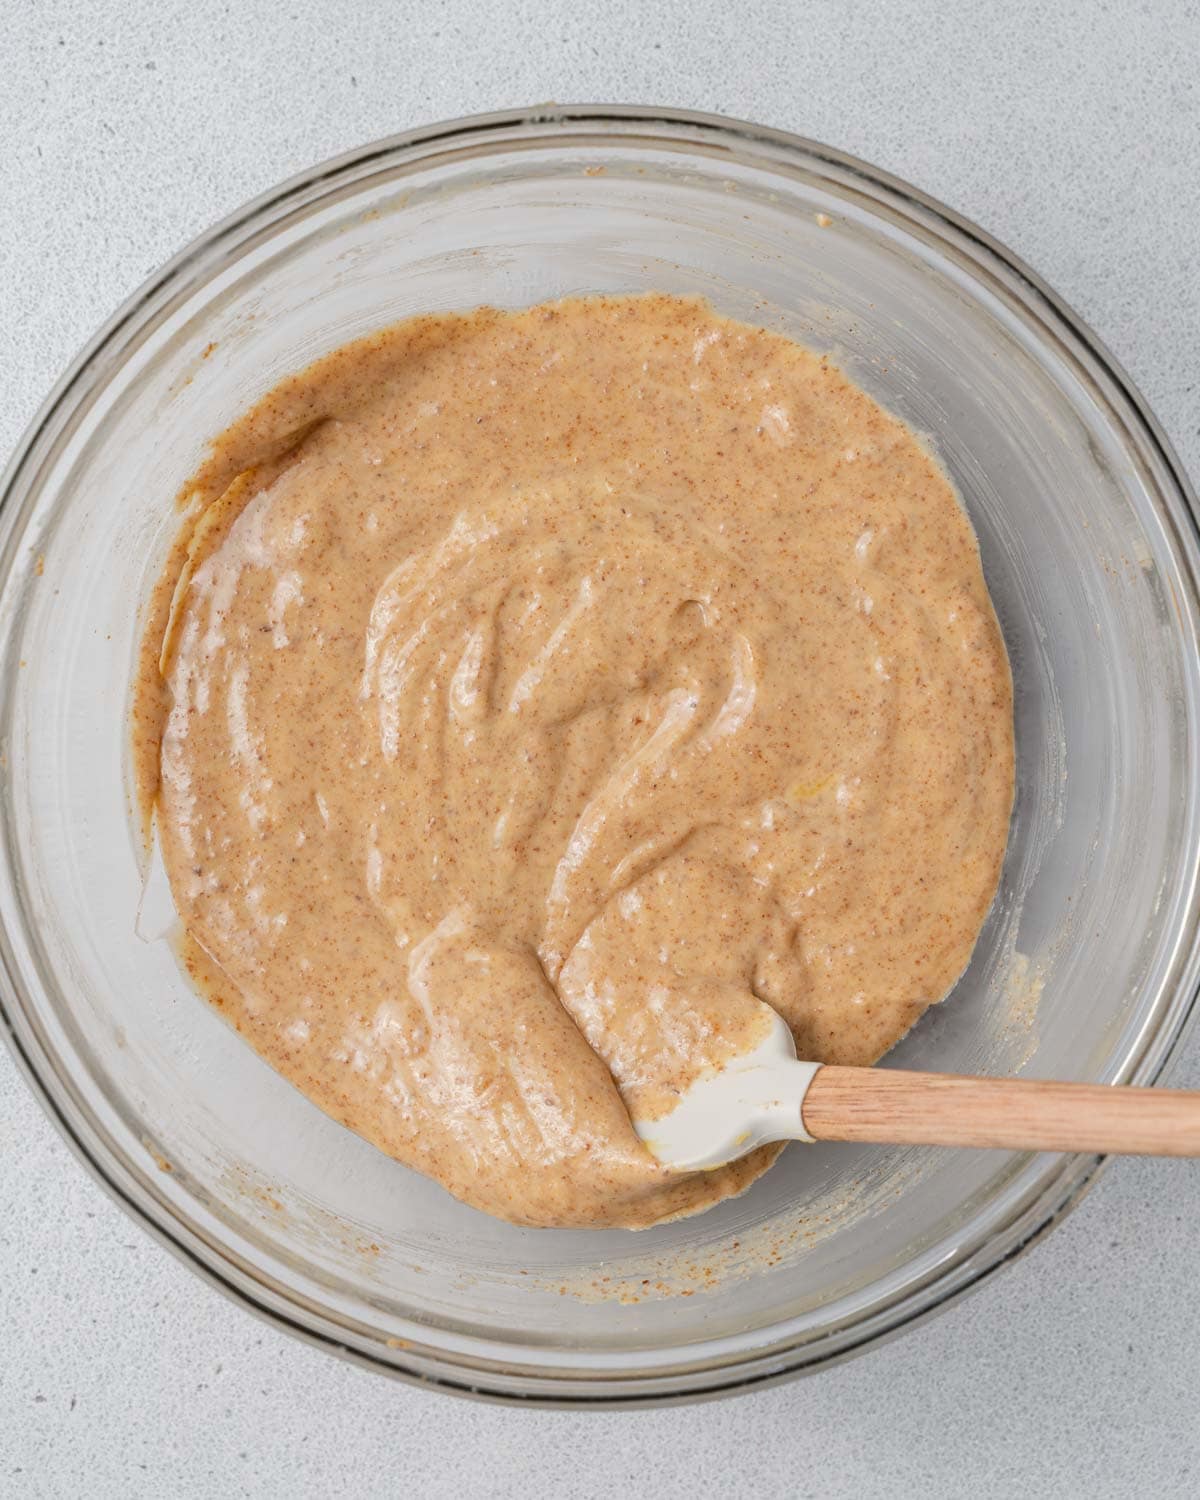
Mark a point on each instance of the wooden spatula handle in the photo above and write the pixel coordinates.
(943, 1109)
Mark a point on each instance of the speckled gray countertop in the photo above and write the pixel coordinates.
(1073, 133)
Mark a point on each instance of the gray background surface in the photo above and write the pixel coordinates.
(1072, 132)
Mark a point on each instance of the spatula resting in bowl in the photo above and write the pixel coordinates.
(766, 1094)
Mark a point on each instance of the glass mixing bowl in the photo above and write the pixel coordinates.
(1087, 968)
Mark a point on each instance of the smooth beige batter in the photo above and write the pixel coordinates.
(530, 692)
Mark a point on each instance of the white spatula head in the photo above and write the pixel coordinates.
(728, 1111)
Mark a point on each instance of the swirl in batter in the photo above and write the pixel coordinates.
(528, 694)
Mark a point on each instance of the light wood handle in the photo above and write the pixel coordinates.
(1015, 1114)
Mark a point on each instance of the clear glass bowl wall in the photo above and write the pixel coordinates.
(1087, 966)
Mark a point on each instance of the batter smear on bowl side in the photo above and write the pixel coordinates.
(529, 692)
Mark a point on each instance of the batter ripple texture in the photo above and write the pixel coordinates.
(528, 694)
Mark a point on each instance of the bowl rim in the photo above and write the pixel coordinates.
(1042, 1190)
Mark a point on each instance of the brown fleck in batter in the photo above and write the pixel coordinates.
(528, 693)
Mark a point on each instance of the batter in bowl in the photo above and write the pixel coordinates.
(528, 693)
